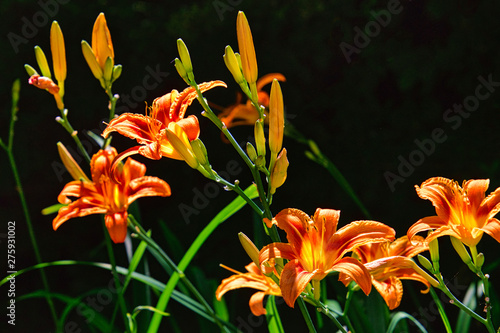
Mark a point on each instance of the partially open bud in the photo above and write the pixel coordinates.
(279, 172)
(43, 82)
(70, 164)
(246, 48)
(276, 118)
(250, 248)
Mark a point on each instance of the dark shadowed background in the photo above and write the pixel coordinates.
(377, 84)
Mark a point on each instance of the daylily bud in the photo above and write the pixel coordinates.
(108, 69)
(58, 52)
(462, 252)
(260, 138)
(246, 48)
(425, 262)
(101, 41)
(252, 154)
(181, 70)
(434, 251)
(180, 142)
(480, 260)
(70, 164)
(232, 64)
(184, 55)
(278, 175)
(30, 70)
(250, 248)
(117, 71)
(90, 57)
(42, 62)
(43, 82)
(200, 151)
(276, 118)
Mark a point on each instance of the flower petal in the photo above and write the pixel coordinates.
(187, 96)
(492, 228)
(442, 192)
(293, 281)
(78, 208)
(356, 271)
(134, 126)
(116, 224)
(391, 291)
(191, 127)
(270, 252)
(424, 224)
(358, 233)
(490, 205)
(147, 186)
(295, 223)
(256, 303)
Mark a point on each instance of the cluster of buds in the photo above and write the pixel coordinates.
(45, 80)
(101, 56)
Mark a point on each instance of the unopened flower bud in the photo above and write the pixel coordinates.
(58, 52)
(260, 138)
(70, 164)
(184, 55)
(181, 70)
(108, 69)
(276, 118)
(233, 65)
(30, 70)
(279, 172)
(425, 263)
(200, 151)
(250, 248)
(42, 62)
(252, 154)
(246, 48)
(91, 59)
(480, 260)
(180, 142)
(117, 71)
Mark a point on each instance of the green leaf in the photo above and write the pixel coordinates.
(463, 321)
(398, 316)
(220, 308)
(273, 318)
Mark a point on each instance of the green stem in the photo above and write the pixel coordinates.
(442, 286)
(441, 310)
(74, 134)
(154, 324)
(326, 311)
(9, 150)
(112, 100)
(350, 293)
(112, 261)
(305, 314)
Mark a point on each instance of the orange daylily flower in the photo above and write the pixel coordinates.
(316, 248)
(388, 264)
(246, 114)
(150, 130)
(462, 212)
(104, 196)
(253, 279)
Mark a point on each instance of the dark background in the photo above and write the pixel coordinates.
(365, 114)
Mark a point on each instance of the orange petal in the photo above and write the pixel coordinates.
(442, 192)
(191, 127)
(134, 126)
(356, 271)
(492, 228)
(101, 164)
(403, 247)
(490, 205)
(358, 233)
(130, 170)
(391, 291)
(147, 186)
(116, 224)
(187, 96)
(424, 224)
(295, 223)
(293, 281)
(268, 78)
(256, 303)
(272, 251)
(78, 208)
(476, 189)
